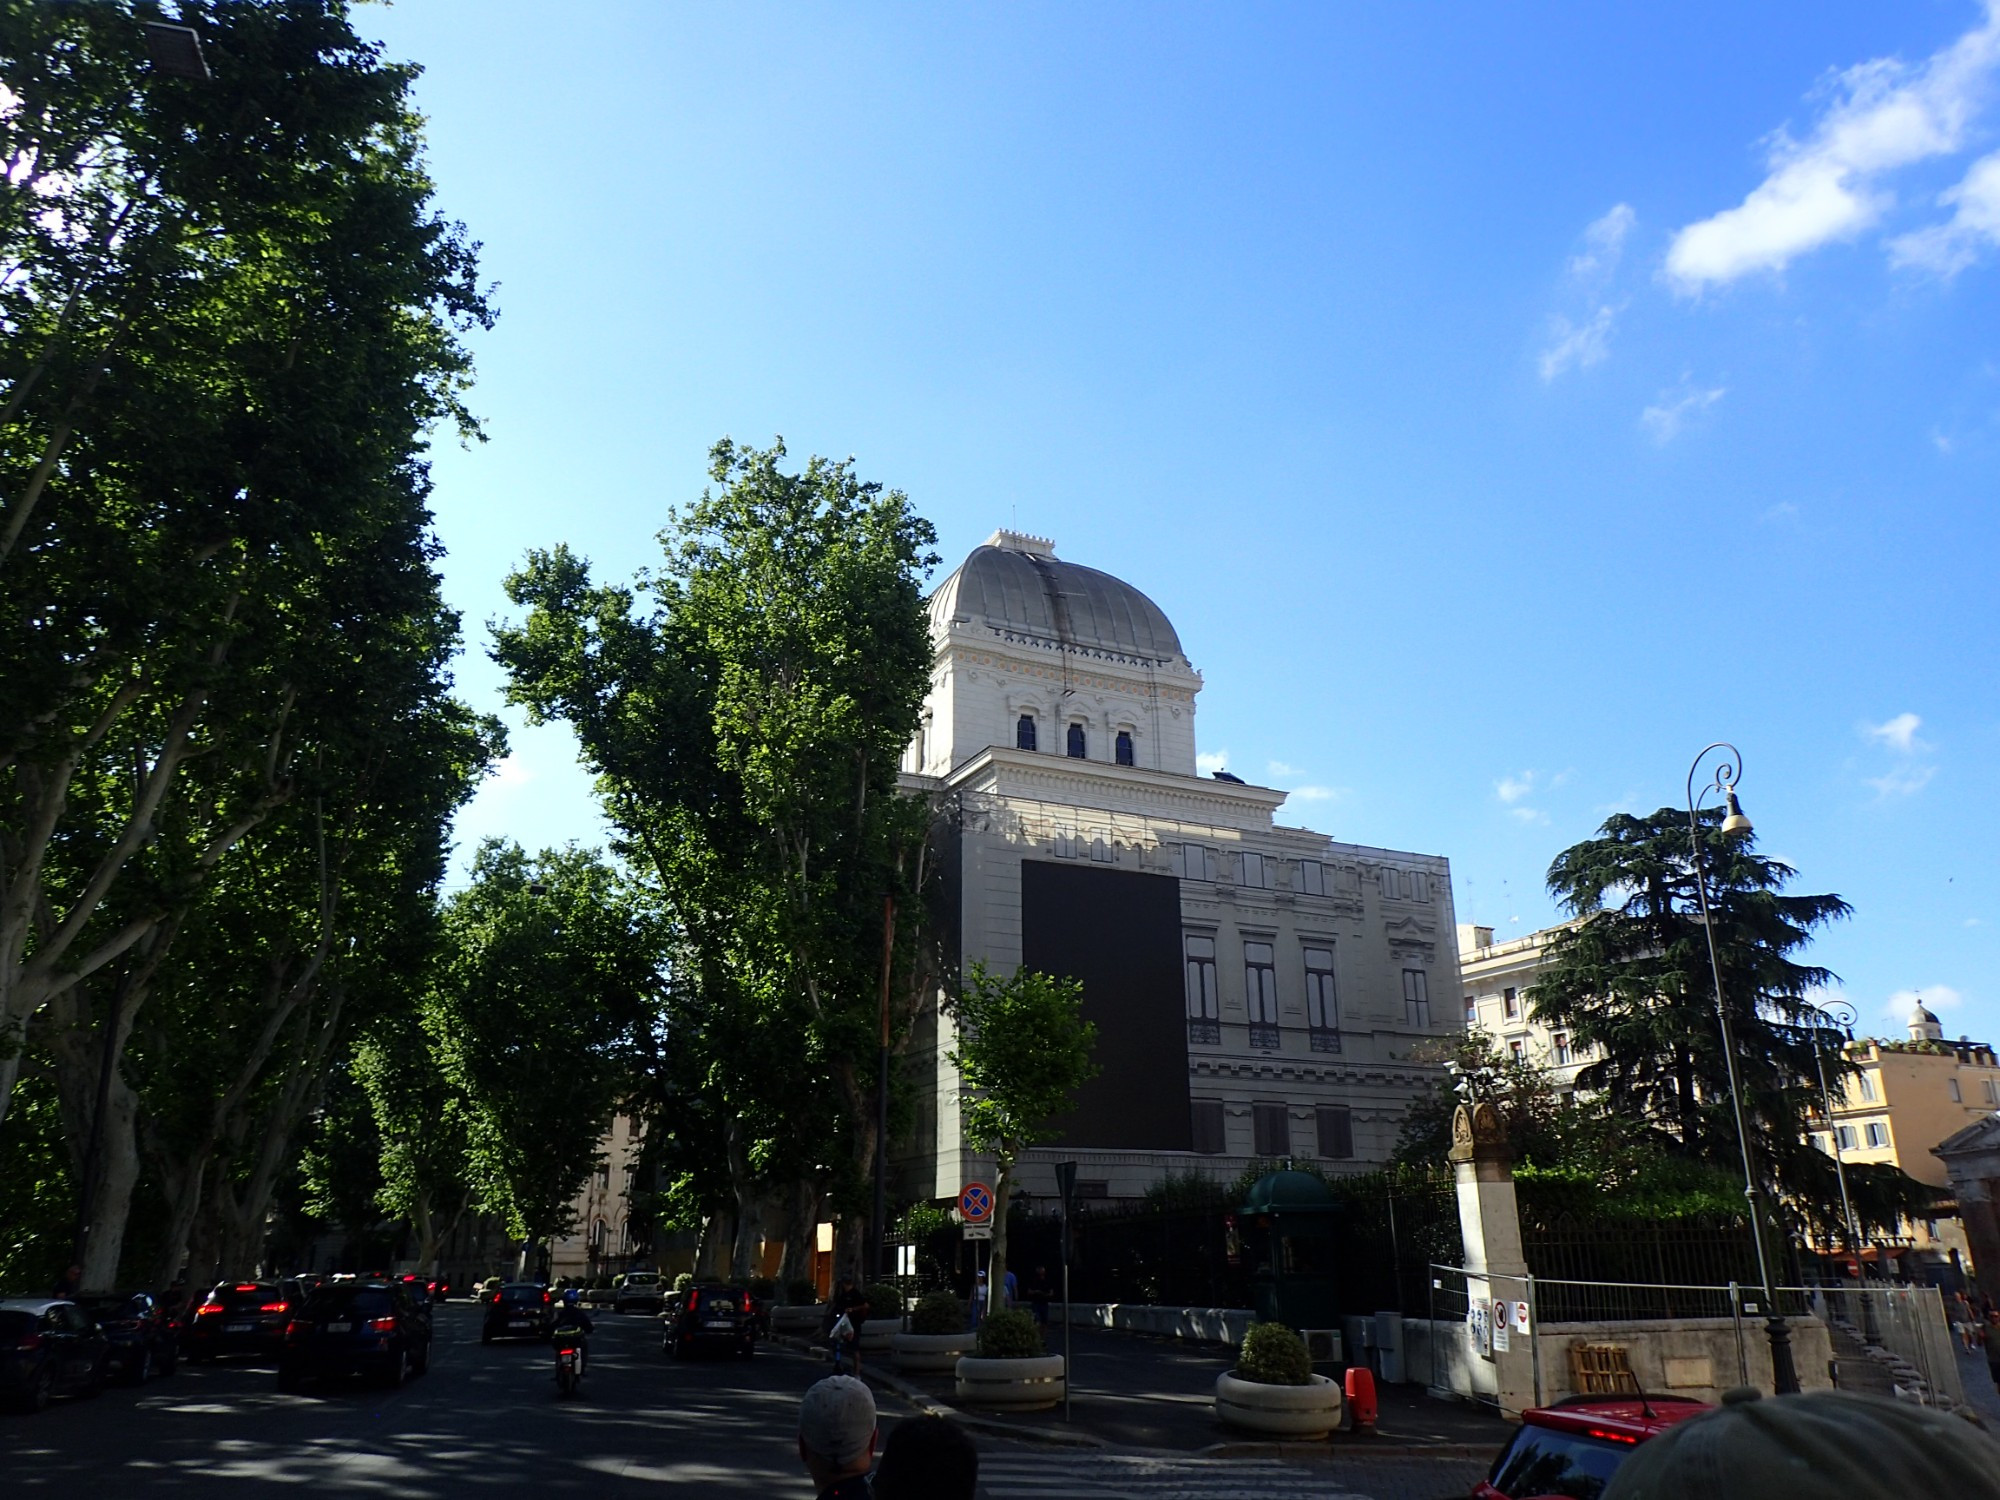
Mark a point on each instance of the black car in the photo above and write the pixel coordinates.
(357, 1327)
(48, 1348)
(238, 1317)
(140, 1336)
(711, 1317)
(519, 1310)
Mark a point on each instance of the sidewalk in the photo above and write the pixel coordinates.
(1131, 1390)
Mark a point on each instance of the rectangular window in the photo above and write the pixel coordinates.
(1065, 846)
(1392, 885)
(1260, 993)
(1846, 1138)
(1518, 1051)
(1561, 1049)
(1336, 1132)
(1956, 1096)
(1471, 1010)
(1868, 1087)
(1256, 871)
(1312, 877)
(1878, 1134)
(1322, 1006)
(1417, 998)
(1204, 1015)
(1273, 1128)
(1511, 999)
(1193, 861)
(1992, 1092)
(1210, 1137)
(1100, 851)
(1420, 886)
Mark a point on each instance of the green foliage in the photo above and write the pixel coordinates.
(1631, 978)
(1273, 1355)
(885, 1299)
(1190, 1189)
(1023, 1051)
(684, 1282)
(1010, 1334)
(1477, 1071)
(938, 1312)
(37, 1191)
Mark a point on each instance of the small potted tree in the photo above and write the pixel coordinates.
(1009, 1369)
(1273, 1389)
(937, 1337)
(885, 1317)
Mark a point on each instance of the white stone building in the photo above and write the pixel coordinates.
(1495, 979)
(1260, 991)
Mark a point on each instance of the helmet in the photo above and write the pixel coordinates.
(569, 1297)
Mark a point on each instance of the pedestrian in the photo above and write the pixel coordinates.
(69, 1283)
(846, 1313)
(978, 1300)
(1010, 1289)
(927, 1458)
(1041, 1291)
(837, 1437)
(1962, 1322)
(1816, 1444)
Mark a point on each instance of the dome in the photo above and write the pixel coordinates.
(1287, 1191)
(1017, 581)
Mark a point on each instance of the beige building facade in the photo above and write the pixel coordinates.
(1494, 980)
(1261, 991)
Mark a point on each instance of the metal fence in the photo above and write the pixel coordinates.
(1909, 1324)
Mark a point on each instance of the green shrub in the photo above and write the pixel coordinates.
(884, 1300)
(1011, 1335)
(801, 1293)
(684, 1282)
(938, 1312)
(1273, 1355)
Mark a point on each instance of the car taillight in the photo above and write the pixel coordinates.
(208, 1310)
(546, 1298)
(381, 1325)
(694, 1300)
(1609, 1436)
(271, 1307)
(30, 1341)
(297, 1328)
(747, 1308)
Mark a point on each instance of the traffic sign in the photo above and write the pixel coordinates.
(979, 1231)
(975, 1203)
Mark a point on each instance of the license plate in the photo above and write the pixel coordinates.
(718, 1323)
(340, 1328)
(522, 1323)
(241, 1328)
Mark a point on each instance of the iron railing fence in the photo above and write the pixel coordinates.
(1693, 1251)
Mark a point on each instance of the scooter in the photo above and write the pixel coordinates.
(568, 1361)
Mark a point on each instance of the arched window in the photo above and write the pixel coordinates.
(1124, 751)
(1024, 732)
(1076, 745)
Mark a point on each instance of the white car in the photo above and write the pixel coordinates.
(637, 1290)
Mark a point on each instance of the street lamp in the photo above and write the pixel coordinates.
(1844, 1016)
(1784, 1376)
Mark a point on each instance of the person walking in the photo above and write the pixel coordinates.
(927, 1458)
(837, 1437)
(1041, 1292)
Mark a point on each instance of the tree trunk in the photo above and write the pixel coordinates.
(802, 1235)
(1003, 1194)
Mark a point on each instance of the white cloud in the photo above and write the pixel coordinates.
(1528, 814)
(1904, 781)
(1511, 789)
(1321, 793)
(1279, 768)
(1784, 510)
(511, 772)
(1884, 115)
(1578, 346)
(1211, 761)
(1667, 416)
(1604, 244)
(1935, 998)
(1948, 248)
(1899, 733)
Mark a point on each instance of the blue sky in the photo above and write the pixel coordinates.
(1503, 402)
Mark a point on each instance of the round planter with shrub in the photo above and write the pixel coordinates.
(1008, 1369)
(1273, 1389)
(937, 1337)
(885, 1318)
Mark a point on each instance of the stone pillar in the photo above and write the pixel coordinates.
(1489, 1221)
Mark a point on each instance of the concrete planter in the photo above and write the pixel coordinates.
(1296, 1411)
(931, 1351)
(1033, 1384)
(799, 1322)
(878, 1335)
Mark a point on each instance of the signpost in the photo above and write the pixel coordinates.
(1066, 1181)
(975, 1212)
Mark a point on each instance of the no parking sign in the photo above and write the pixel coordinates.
(975, 1203)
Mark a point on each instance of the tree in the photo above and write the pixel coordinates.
(746, 732)
(551, 975)
(1631, 978)
(1023, 1051)
(1479, 1072)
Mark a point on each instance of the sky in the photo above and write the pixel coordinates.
(1503, 402)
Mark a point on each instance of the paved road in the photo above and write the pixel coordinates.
(486, 1421)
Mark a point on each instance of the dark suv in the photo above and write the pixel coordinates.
(1574, 1447)
(711, 1317)
(48, 1348)
(140, 1335)
(362, 1327)
(238, 1317)
(519, 1310)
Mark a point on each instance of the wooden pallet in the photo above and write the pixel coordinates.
(1601, 1370)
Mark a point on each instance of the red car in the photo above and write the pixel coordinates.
(1572, 1449)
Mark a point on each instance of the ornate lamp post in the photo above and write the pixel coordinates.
(1843, 1016)
(1784, 1375)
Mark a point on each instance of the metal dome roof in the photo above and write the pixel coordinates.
(1017, 580)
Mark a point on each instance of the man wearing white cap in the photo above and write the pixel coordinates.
(837, 1437)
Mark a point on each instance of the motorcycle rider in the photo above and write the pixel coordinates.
(572, 1319)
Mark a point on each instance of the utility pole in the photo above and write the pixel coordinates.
(879, 1228)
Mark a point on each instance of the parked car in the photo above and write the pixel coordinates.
(380, 1329)
(48, 1347)
(1574, 1447)
(519, 1310)
(238, 1317)
(140, 1338)
(638, 1291)
(711, 1317)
